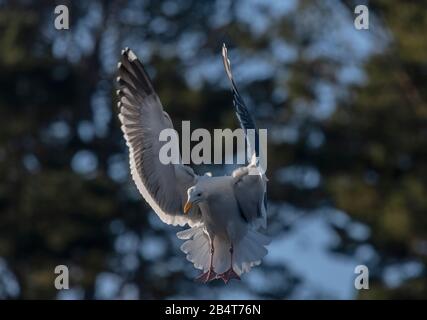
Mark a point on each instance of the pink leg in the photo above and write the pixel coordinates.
(210, 274)
(230, 273)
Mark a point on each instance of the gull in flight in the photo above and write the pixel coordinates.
(225, 213)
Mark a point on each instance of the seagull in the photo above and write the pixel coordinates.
(226, 215)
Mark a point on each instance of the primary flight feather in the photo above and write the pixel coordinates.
(224, 213)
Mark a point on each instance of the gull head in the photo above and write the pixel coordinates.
(194, 195)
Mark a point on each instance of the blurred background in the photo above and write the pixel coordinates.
(346, 112)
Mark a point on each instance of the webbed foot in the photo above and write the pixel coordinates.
(228, 275)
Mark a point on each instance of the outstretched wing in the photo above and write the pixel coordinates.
(142, 116)
(242, 112)
(250, 189)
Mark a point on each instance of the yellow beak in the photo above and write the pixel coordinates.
(187, 206)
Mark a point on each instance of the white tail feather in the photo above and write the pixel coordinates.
(247, 253)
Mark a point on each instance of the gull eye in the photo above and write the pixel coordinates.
(199, 194)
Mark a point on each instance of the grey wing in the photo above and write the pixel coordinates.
(143, 118)
(250, 194)
(242, 112)
(250, 190)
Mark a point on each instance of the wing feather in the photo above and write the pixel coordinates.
(143, 118)
(242, 112)
(250, 190)
(250, 193)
